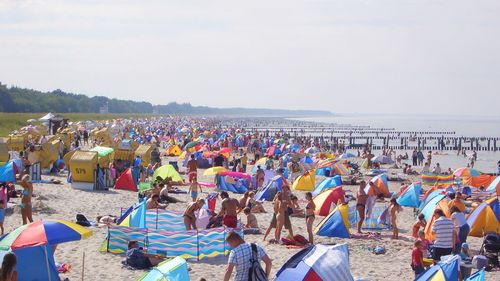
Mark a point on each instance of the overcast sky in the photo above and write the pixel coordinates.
(391, 56)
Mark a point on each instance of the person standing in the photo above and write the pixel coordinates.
(444, 231)
(461, 227)
(244, 256)
(361, 198)
(244, 162)
(192, 166)
(189, 213)
(26, 195)
(421, 157)
(3, 204)
(229, 210)
(414, 157)
(310, 208)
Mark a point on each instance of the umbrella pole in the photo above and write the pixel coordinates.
(83, 265)
(47, 262)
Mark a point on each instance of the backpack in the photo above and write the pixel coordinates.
(82, 220)
(256, 273)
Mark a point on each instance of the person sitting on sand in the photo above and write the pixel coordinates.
(243, 200)
(297, 211)
(164, 198)
(189, 213)
(228, 210)
(251, 219)
(193, 189)
(418, 224)
(254, 205)
(138, 259)
(394, 208)
(152, 203)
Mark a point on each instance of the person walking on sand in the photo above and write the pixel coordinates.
(361, 199)
(229, 210)
(26, 195)
(193, 189)
(242, 256)
(189, 213)
(310, 208)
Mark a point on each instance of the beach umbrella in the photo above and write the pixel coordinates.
(213, 171)
(191, 144)
(225, 150)
(327, 163)
(44, 232)
(466, 172)
(346, 155)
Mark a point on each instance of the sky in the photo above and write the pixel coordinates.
(380, 56)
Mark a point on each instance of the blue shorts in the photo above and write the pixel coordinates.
(194, 194)
(2, 215)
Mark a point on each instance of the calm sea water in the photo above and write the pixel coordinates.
(462, 125)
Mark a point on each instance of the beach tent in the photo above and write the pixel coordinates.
(171, 270)
(494, 186)
(336, 224)
(135, 216)
(307, 163)
(411, 196)
(167, 171)
(380, 182)
(476, 276)
(318, 262)
(346, 155)
(382, 159)
(7, 172)
(47, 117)
(429, 217)
(327, 183)
(446, 270)
(35, 263)
(485, 218)
(231, 183)
(327, 198)
(268, 191)
(126, 181)
(174, 150)
(305, 182)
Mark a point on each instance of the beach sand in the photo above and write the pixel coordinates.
(61, 202)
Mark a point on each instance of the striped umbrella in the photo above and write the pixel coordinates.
(466, 172)
(44, 232)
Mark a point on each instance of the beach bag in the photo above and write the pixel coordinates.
(255, 273)
(82, 220)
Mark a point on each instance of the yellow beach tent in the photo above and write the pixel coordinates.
(305, 182)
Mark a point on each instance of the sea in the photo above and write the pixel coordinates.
(467, 126)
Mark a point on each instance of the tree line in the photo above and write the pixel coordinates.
(15, 99)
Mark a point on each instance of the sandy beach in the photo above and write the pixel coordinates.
(53, 201)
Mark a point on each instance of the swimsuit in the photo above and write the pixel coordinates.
(194, 194)
(230, 221)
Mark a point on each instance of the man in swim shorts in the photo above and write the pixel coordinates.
(228, 210)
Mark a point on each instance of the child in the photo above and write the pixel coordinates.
(425, 243)
(193, 189)
(464, 253)
(251, 219)
(394, 208)
(419, 223)
(417, 258)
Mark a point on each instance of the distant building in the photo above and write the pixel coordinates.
(104, 109)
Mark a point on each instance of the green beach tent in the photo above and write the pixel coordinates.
(167, 171)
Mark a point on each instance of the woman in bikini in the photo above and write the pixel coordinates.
(310, 208)
(272, 225)
(362, 197)
(189, 214)
(26, 194)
